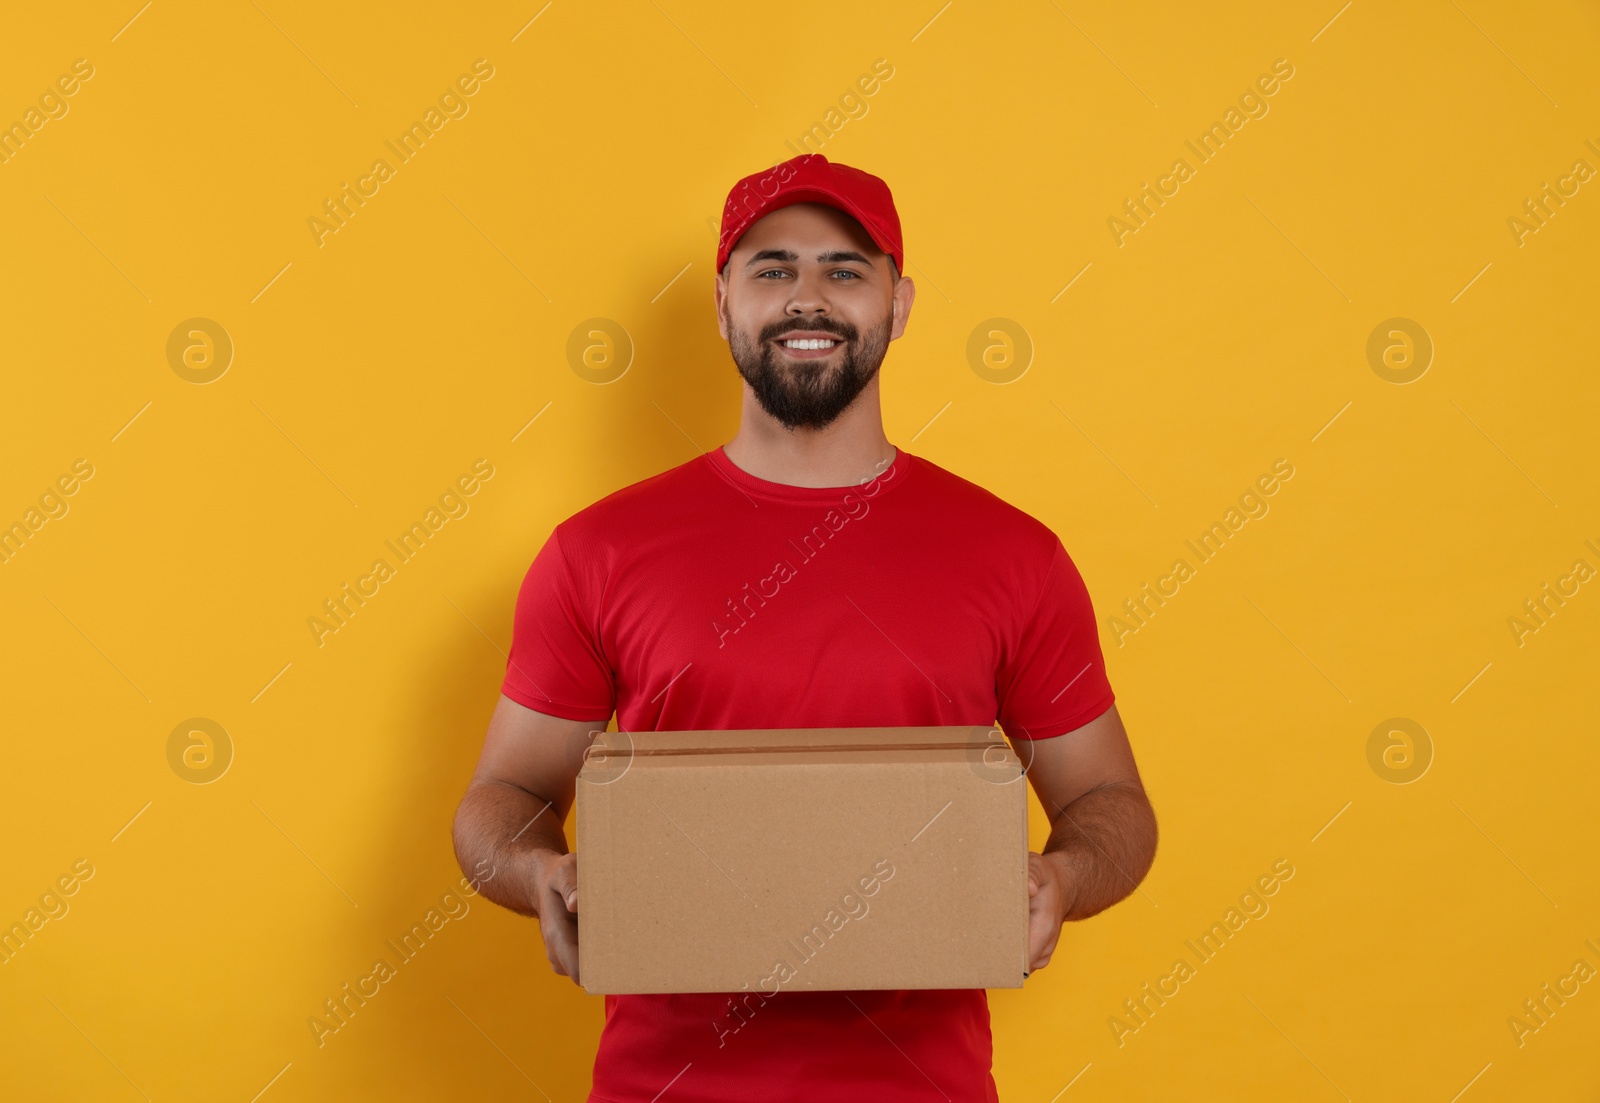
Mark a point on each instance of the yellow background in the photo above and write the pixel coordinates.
(584, 182)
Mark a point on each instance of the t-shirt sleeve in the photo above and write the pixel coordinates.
(557, 665)
(1053, 679)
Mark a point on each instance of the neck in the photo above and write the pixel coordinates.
(848, 451)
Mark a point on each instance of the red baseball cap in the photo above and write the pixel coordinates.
(812, 178)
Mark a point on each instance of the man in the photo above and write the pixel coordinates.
(808, 574)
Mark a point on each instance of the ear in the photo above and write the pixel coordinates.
(905, 293)
(719, 291)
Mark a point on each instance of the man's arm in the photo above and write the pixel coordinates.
(1103, 835)
(508, 830)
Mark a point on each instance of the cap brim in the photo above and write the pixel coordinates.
(812, 194)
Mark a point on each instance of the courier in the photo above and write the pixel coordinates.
(838, 672)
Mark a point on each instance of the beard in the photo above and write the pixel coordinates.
(808, 394)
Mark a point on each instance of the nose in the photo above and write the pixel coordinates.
(807, 295)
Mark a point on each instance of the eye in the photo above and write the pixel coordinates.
(854, 275)
(771, 272)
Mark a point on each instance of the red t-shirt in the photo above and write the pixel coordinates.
(707, 599)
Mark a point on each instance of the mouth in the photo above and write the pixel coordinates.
(808, 346)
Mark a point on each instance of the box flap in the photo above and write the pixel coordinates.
(819, 741)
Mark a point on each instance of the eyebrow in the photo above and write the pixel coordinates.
(789, 256)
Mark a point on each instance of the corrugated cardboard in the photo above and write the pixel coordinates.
(810, 858)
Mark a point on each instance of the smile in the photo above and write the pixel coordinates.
(809, 344)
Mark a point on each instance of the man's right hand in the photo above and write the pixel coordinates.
(512, 815)
(557, 883)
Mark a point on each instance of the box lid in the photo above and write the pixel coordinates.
(985, 747)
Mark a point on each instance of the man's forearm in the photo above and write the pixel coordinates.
(1104, 842)
(501, 835)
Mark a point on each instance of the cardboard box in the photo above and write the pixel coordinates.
(809, 858)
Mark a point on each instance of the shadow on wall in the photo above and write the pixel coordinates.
(678, 397)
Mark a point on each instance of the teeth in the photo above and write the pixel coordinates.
(814, 343)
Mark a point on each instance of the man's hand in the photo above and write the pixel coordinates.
(557, 883)
(1102, 829)
(508, 829)
(1049, 898)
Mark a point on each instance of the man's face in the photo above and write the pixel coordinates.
(809, 273)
